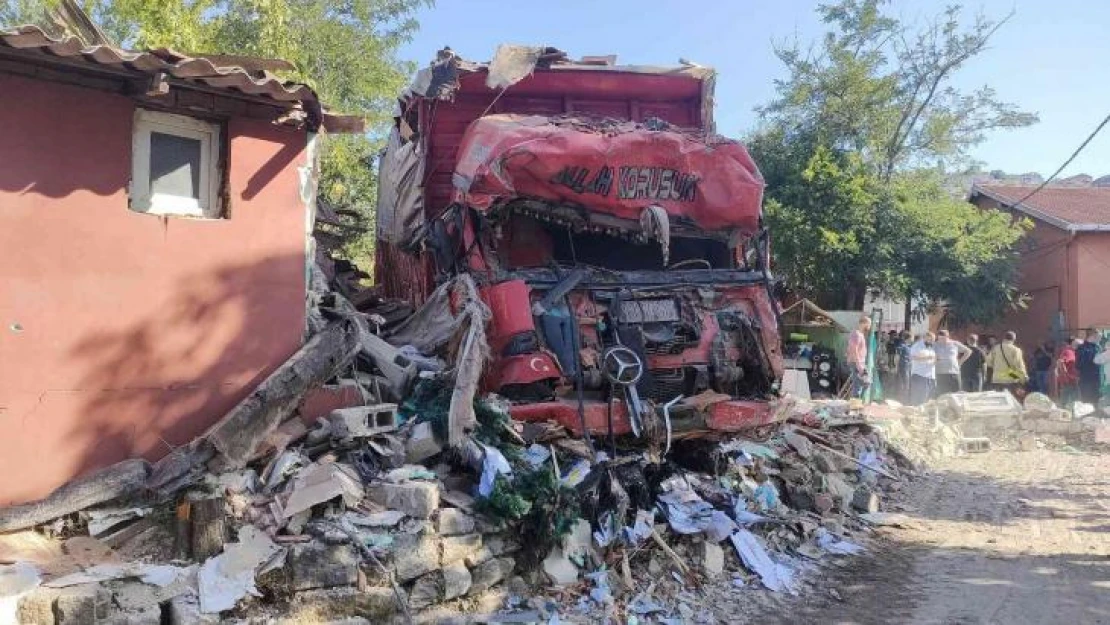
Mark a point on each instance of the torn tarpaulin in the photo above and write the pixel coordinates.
(435, 326)
(774, 576)
(832, 544)
(493, 464)
(685, 510)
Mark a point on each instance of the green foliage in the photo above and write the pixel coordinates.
(347, 51)
(853, 149)
(545, 510)
(503, 502)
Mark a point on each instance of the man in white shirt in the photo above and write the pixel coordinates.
(923, 371)
(950, 355)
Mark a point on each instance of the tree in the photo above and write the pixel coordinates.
(854, 148)
(347, 51)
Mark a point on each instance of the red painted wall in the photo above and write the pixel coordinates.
(137, 332)
(1092, 259)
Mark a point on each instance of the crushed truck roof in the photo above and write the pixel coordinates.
(618, 168)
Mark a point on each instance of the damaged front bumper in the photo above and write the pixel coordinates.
(693, 332)
(732, 415)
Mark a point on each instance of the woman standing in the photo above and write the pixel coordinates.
(1067, 375)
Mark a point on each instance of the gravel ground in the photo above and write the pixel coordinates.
(1003, 537)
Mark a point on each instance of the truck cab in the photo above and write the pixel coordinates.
(617, 241)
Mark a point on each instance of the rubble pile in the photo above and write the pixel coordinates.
(429, 499)
(997, 419)
(759, 510)
(370, 514)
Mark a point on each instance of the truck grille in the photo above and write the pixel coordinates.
(683, 339)
(666, 384)
(649, 311)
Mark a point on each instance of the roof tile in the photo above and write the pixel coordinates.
(1072, 206)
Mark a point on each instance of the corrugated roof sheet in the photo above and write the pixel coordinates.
(1069, 208)
(198, 69)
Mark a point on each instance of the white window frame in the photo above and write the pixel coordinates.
(141, 198)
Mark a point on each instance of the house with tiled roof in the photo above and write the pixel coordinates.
(156, 213)
(1065, 258)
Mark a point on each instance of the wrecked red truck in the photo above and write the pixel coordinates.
(617, 241)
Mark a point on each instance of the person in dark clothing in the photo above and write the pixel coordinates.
(1042, 364)
(971, 369)
(1090, 377)
(904, 344)
(893, 342)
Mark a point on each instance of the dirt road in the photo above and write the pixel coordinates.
(1004, 537)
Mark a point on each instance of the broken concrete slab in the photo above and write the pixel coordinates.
(377, 604)
(558, 568)
(414, 555)
(416, 499)
(456, 580)
(478, 557)
(318, 483)
(865, 500)
(422, 444)
(500, 544)
(458, 548)
(578, 544)
(75, 605)
(185, 610)
(490, 573)
(452, 522)
(316, 565)
(81, 604)
(427, 591)
(459, 499)
(103, 520)
(801, 444)
(711, 558)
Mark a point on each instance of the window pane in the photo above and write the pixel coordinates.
(174, 165)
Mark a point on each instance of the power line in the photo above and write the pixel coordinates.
(1066, 163)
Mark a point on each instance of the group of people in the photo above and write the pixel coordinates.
(929, 365)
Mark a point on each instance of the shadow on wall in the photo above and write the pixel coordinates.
(170, 374)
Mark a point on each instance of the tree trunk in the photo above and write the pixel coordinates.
(241, 431)
(908, 323)
(123, 479)
(208, 530)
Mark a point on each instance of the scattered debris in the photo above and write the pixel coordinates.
(230, 576)
(774, 576)
(318, 483)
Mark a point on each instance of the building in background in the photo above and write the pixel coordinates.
(1065, 259)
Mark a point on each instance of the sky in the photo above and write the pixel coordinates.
(1051, 58)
